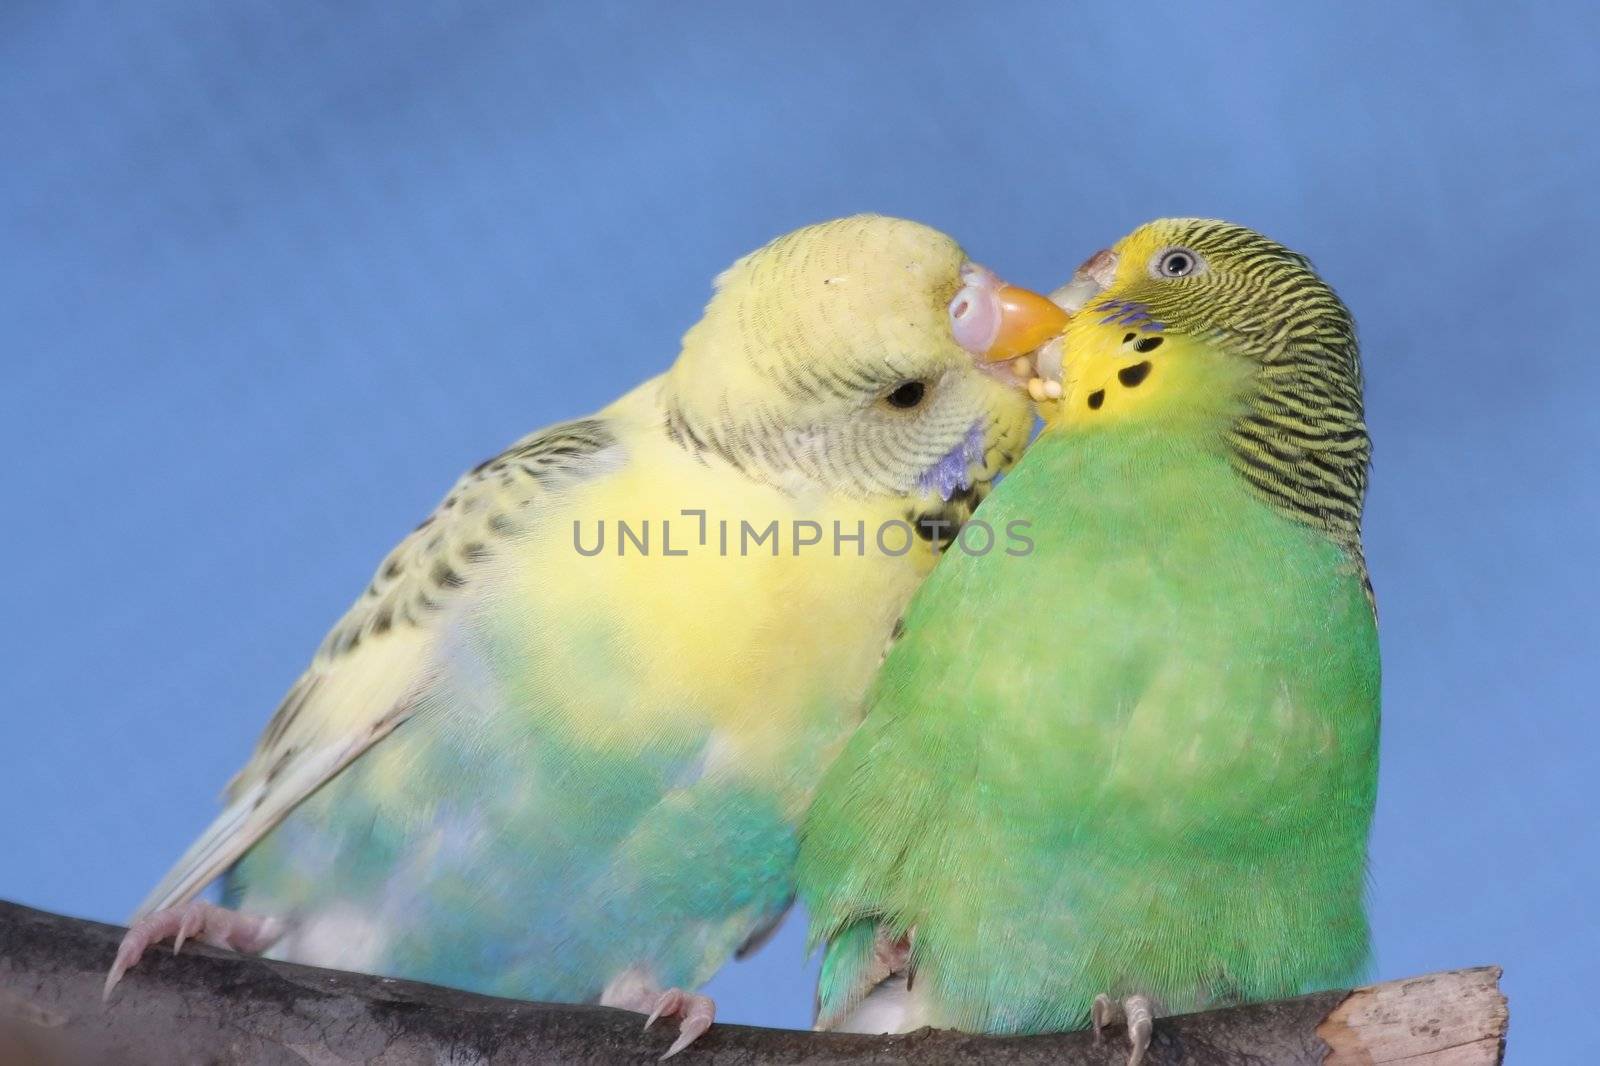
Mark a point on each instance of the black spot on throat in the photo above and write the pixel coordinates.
(1133, 376)
(1148, 344)
(1096, 398)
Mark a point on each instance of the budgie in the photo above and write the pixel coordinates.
(560, 746)
(1131, 772)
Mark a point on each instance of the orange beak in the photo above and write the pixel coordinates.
(1027, 320)
(996, 321)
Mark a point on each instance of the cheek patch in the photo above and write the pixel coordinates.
(953, 471)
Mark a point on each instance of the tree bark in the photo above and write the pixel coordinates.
(213, 1007)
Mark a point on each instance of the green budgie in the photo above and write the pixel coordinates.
(560, 747)
(1131, 772)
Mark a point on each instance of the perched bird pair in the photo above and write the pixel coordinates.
(1127, 772)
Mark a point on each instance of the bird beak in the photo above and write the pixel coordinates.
(1088, 281)
(997, 322)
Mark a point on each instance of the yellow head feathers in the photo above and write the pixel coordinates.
(829, 355)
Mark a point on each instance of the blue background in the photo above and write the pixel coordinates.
(272, 274)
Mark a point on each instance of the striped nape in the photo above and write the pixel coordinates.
(1302, 442)
(1304, 446)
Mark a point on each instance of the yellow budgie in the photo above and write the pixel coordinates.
(559, 747)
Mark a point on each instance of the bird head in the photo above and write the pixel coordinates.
(1206, 326)
(867, 357)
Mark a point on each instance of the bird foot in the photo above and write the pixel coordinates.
(695, 1014)
(195, 920)
(1136, 1011)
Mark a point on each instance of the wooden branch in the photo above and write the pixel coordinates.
(209, 1006)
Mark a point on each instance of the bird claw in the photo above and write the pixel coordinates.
(695, 1013)
(195, 920)
(1140, 1018)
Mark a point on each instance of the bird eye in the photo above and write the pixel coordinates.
(906, 395)
(1175, 263)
